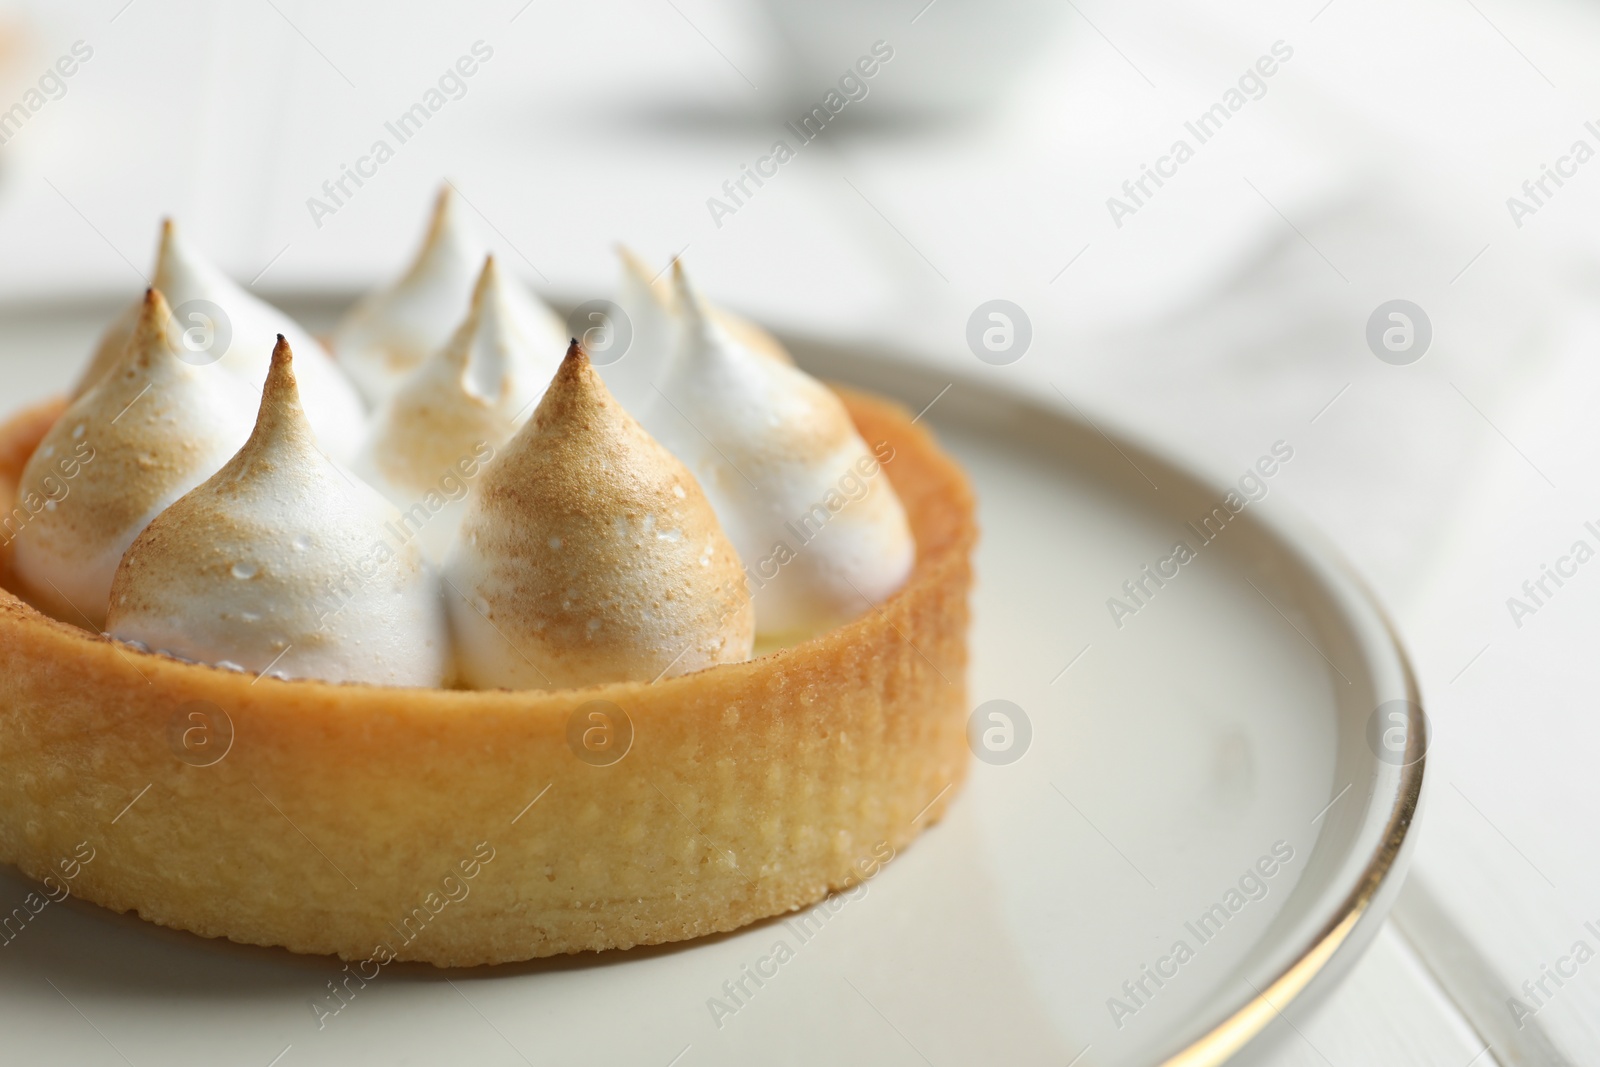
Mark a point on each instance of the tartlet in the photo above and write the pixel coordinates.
(463, 828)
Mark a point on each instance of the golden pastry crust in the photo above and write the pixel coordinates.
(334, 819)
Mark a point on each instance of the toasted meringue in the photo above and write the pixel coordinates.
(821, 533)
(145, 434)
(651, 305)
(653, 322)
(109, 349)
(589, 554)
(281, 563)
(392, 331)
(751, 335)
(247, 325)
(455, 412)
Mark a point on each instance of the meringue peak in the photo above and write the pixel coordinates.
(279, 562)
(166, 243)
(153, 347)
(705, 318)
(576, 391)
(222, 323)
(395, 329)
(578, 417)
(647, 303)
(802, 497)
(479, 348)
(637, 275)
(589, 554)
(448, 239)
(281, 441)
(281, 418)
(690, 305)
(182, 271)
(149, 430)
(430, 437)
(152, 333)
(705, 336)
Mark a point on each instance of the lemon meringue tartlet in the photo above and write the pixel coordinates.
(266, 745)
(749, 789)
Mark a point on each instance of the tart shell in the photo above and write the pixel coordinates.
(462, 828)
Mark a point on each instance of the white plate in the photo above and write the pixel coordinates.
(1234, 715)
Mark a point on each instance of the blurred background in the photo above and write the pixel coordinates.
(999, 151)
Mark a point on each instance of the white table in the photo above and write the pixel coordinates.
(1226, 311)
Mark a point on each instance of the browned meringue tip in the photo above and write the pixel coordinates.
(690, 306)
(443, 204)
(576, 360)
(154, 314)
(164, 245)
(632, 261)
(488, 274)
(281, 385)
(458, 349)
(575, 389)
(153, 325)
(280, 412)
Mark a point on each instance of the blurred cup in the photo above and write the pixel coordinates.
(951, 59)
